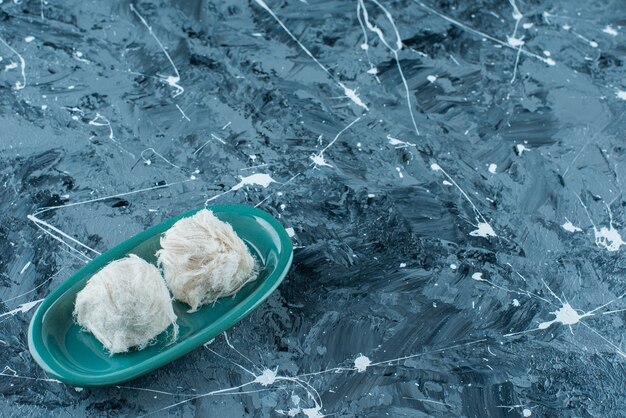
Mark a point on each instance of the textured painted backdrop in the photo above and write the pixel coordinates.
(452, 174)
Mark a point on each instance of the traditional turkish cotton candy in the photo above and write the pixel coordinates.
(203, 259)
(125, 305)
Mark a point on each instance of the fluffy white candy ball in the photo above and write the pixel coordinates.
(203, 259)
(125, 305)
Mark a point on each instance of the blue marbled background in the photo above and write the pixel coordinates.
(452, 172)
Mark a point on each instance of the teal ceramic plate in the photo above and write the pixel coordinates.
(75, 357)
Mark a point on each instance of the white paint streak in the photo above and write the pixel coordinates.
(24, 268)
(19, 85)
(482, 34)
(182, 113)
(393, 50)
(483, 229)
(42, 224)
(48, 208)
(318, 159)
(351, 94)
(399, 143)
(23, 308)
(171, 80)
(78, 56)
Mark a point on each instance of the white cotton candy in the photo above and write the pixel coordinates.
(125, 305)
(203, 259)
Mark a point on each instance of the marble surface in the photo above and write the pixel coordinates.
(452, 174)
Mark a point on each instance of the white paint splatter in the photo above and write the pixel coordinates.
(620, 94)
(453, 267)
(268, 377)
(182, 112)
(259, 179)
(351, 94)
(478, 276)
(515, 42)
(483, 230)
(399, 170)
(608, 238)
(566, 315)
(313, 412)
(515, 303)
(29, 39)
(319, 160)
(290, 232)
(520, 148)
(447, 183)
(528, 25)
(78, 56)
(609, 29)
(393, 49)
(402, 265)
(373, 71)
(399, 143)
(526, 412)
(361, 363)
(570, 227)
(431, 78)
(100, 120)
(492, 168)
